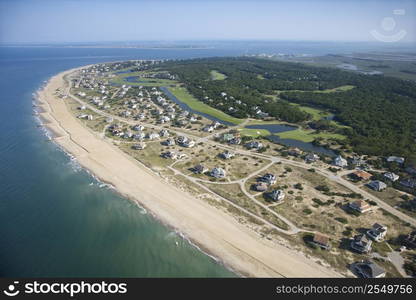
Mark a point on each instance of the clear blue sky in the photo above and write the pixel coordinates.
(44, 21)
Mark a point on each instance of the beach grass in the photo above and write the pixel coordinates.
(183, 95)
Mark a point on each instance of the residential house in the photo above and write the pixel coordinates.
(138, 127)
(188, 143)
(409, 183)
(322, 241)
(139, 146)
(199, 169)
(410, 240)
(294, 152)
(367, 269)
(377, 185)
(226, 155)
(276, 195)
(217, 172)
(173, 155)
(164, 133)
(235, 141)
(182, 139)
(391, 176)
(169, 142)
(339, 161)
(411, 169)
(361, 244)
(396, 159)
(360, 206)
(361, 175)
(311, 157)
(268, 178)
(153, 136)
(139, 136)
(227, 137)
(208, 128)
(377, 232)
(260, 186)
(254, 145)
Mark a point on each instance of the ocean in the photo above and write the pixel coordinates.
(56, 220)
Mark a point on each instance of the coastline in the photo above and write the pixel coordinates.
(209, 229)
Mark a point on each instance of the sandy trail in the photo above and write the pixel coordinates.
(214, 231)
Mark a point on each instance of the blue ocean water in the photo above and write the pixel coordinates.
(55, 219)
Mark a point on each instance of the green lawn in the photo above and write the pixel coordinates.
(183, 95)
(342, 88)
(317, 114)
(262, 122)
(254, 132)
(215, 75)
(308, 135)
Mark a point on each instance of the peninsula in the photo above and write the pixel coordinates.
(214, 162)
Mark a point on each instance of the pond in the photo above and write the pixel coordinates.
(187, 108)
(125, 71)
(276, 128)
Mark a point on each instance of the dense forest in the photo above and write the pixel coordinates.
(380, 110)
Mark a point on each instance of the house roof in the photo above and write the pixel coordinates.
(321, 239)
(362, 174)
(371, 268)
(360, 204)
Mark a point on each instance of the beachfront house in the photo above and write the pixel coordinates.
(367, 269)
(321, 241)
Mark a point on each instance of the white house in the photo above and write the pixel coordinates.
(339, 161)
(217, 173)
(391, 176)
(276, 195)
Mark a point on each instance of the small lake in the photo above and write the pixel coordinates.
(135, 79)
(277, 128)
(125, 71)
(187, 108)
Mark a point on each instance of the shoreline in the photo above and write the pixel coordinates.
(210, 230)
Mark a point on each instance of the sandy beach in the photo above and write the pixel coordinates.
(214, 231)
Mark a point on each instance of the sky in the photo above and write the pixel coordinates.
(57, 21)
